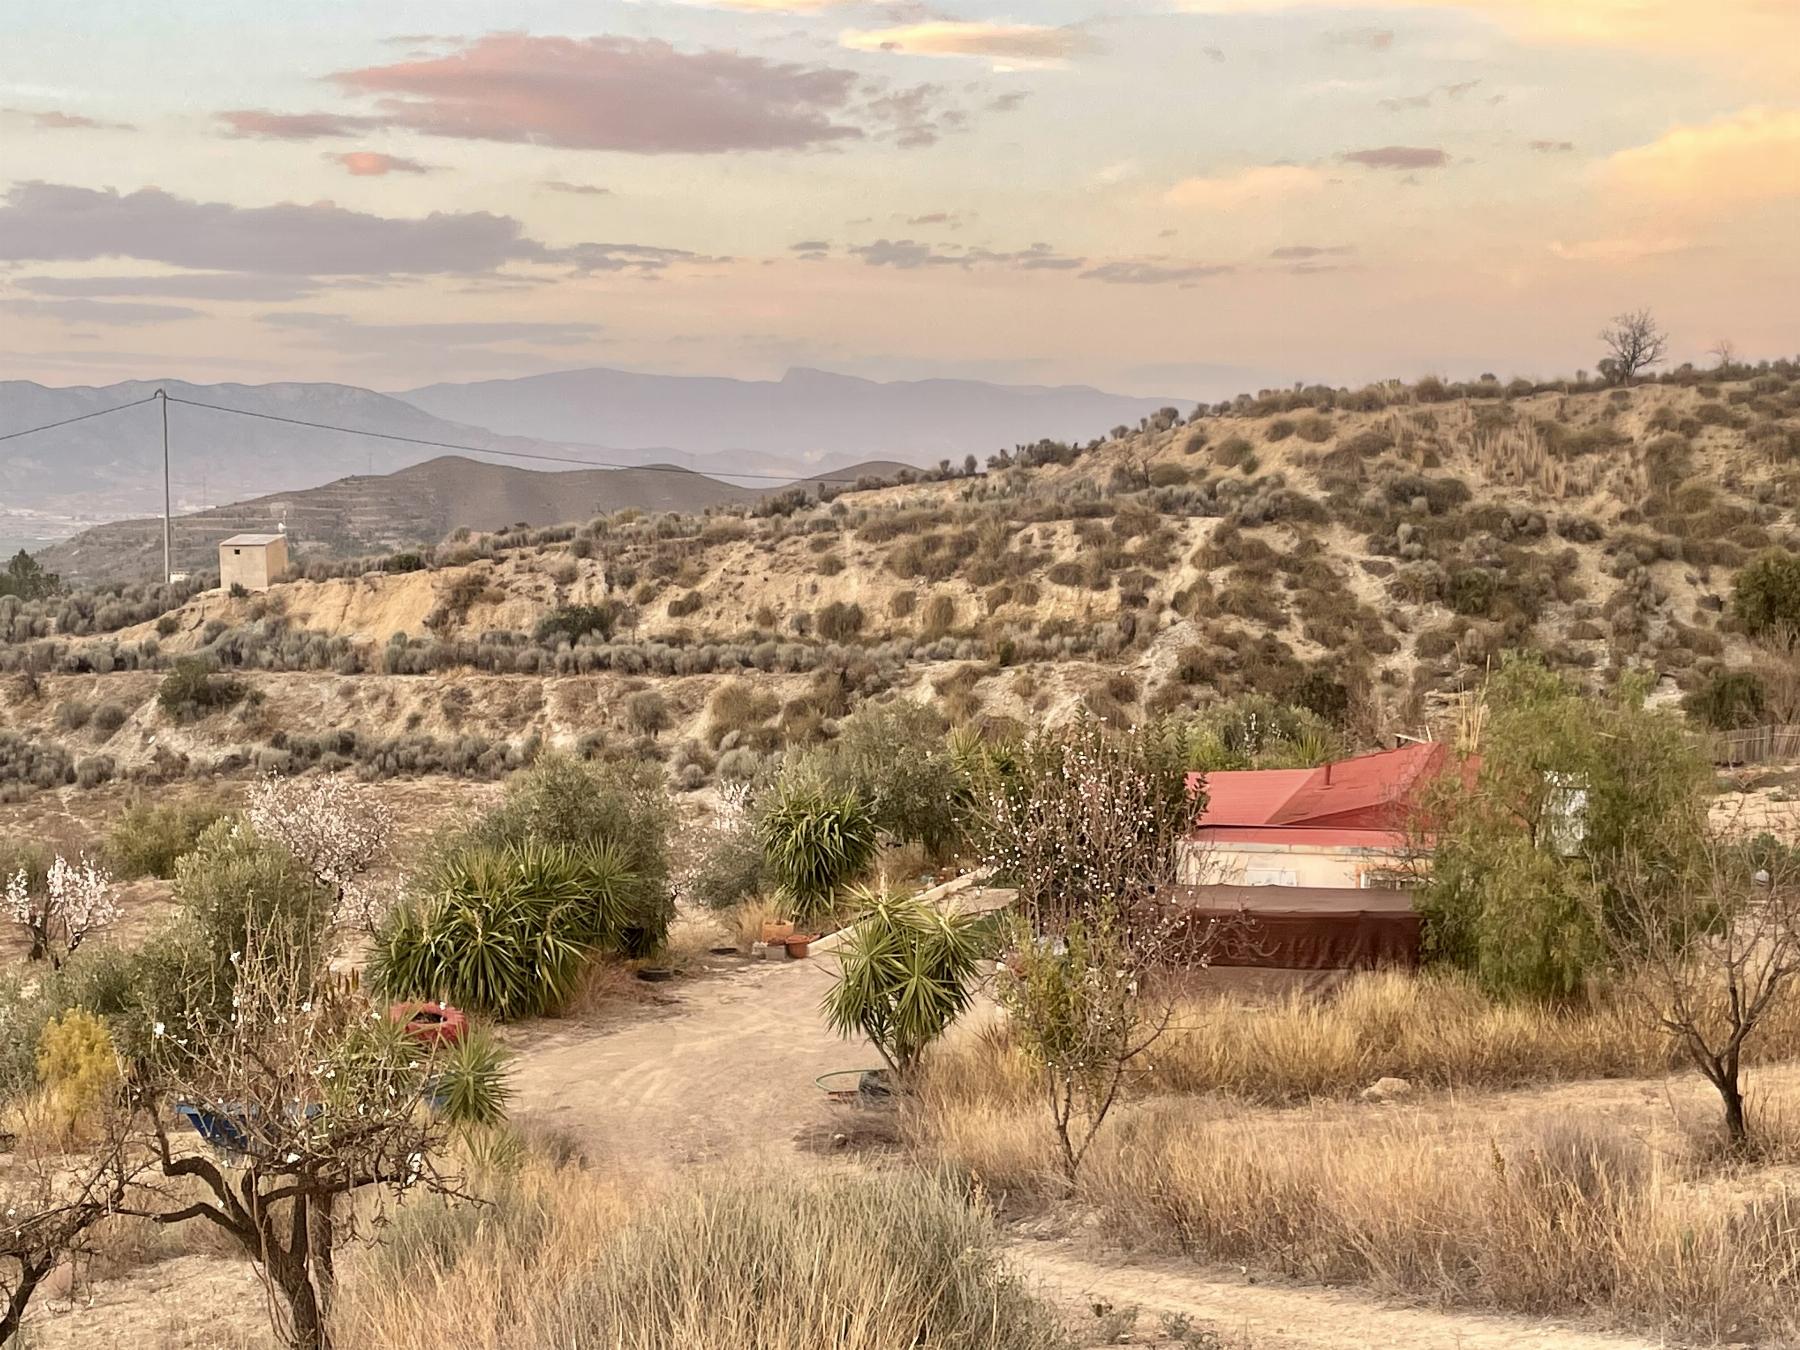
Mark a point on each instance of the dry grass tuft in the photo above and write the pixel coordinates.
(1435, 1030)
(564, 1257)
(1571, 1218)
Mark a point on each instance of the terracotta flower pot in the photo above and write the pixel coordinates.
(776, 930)
(798, 945)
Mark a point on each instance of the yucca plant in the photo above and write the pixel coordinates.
(906, 972)
(471, 1080)
(815, 842)
(504, 931)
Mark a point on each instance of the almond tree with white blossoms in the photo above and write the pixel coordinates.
(77, 899)
(335, 831)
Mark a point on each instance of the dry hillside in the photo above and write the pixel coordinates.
(1362, 553)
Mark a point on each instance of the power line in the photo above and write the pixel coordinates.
(68, 421)
(485, 450)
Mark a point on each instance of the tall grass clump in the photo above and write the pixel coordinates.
(1563, 1217)
(564, 1257)
(1436, 1030)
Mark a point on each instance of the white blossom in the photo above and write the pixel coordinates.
(335, 831)
(77, 899)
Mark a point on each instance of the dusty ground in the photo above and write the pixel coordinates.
(186, 1303)
(721, 1067)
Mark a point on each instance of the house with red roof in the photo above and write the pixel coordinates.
(1345, 824)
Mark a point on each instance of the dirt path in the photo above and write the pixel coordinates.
(1282, 1317)
(727, 1070)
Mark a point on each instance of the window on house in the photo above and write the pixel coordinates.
(1269, 876)
(1385, 880)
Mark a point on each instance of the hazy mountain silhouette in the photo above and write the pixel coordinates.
(813, 416)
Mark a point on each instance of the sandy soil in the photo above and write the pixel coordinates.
(186, 1303)
(721, 1067)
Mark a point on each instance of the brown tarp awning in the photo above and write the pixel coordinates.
(1305, 927)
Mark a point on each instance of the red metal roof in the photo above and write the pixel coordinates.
(1367, 793)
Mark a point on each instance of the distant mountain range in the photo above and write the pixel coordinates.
(410, 508)
(808, 418)
(809, 422)
(108, 467)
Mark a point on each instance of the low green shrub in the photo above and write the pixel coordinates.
(1728, 700)
(109, 717)
(193, 688)
(578, 621)
(838, 621)
(1766, 595)
(148, 838)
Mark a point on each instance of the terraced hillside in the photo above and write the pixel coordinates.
(1364, 554)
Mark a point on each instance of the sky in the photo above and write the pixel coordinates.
(1165, 197)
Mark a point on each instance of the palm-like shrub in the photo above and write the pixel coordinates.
(505, 931)
(471, 1080)
(621, 808)
(815, 842)
(906, 973)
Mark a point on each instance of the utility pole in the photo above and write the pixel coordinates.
(168, 562)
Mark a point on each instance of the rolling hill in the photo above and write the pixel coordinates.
(1365, 554)
(411, 508)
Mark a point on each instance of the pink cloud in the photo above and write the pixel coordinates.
(373, 164)
(1398, 157)
(293, 126)
(609, 93)
(62, 121)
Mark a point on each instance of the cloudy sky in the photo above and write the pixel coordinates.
(1158, 196)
